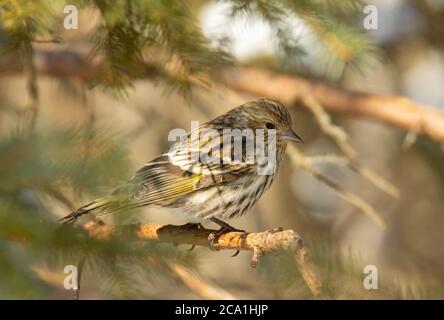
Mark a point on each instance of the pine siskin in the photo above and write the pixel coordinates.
(226, 185)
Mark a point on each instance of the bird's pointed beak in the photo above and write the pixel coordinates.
(291, 136)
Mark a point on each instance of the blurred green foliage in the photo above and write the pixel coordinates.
(162, 39)
(36, 170)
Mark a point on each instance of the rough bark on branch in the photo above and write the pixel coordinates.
(261, 243)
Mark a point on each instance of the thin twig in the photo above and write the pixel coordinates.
(201, 287)
(51, 40)
(337, 133)
(79, 277)
(304, 162)
(309, 272)
(31, 72)
(360, 169)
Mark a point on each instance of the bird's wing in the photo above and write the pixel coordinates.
(161, 181)
(182, 171)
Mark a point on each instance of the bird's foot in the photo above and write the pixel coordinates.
(215, 235)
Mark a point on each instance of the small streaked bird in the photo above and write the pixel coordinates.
(204, 191)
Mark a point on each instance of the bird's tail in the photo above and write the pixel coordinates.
(100, 206)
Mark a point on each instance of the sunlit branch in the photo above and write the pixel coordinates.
(261, 243)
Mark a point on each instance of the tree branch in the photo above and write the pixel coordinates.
(57, 63)
(261, 243)
(394, 110)
(65, 64)
(267, 242)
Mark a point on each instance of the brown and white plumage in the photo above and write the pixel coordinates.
(202, 191)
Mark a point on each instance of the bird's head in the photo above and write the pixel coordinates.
(270, 114)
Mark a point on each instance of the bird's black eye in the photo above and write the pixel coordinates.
(269, 125)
